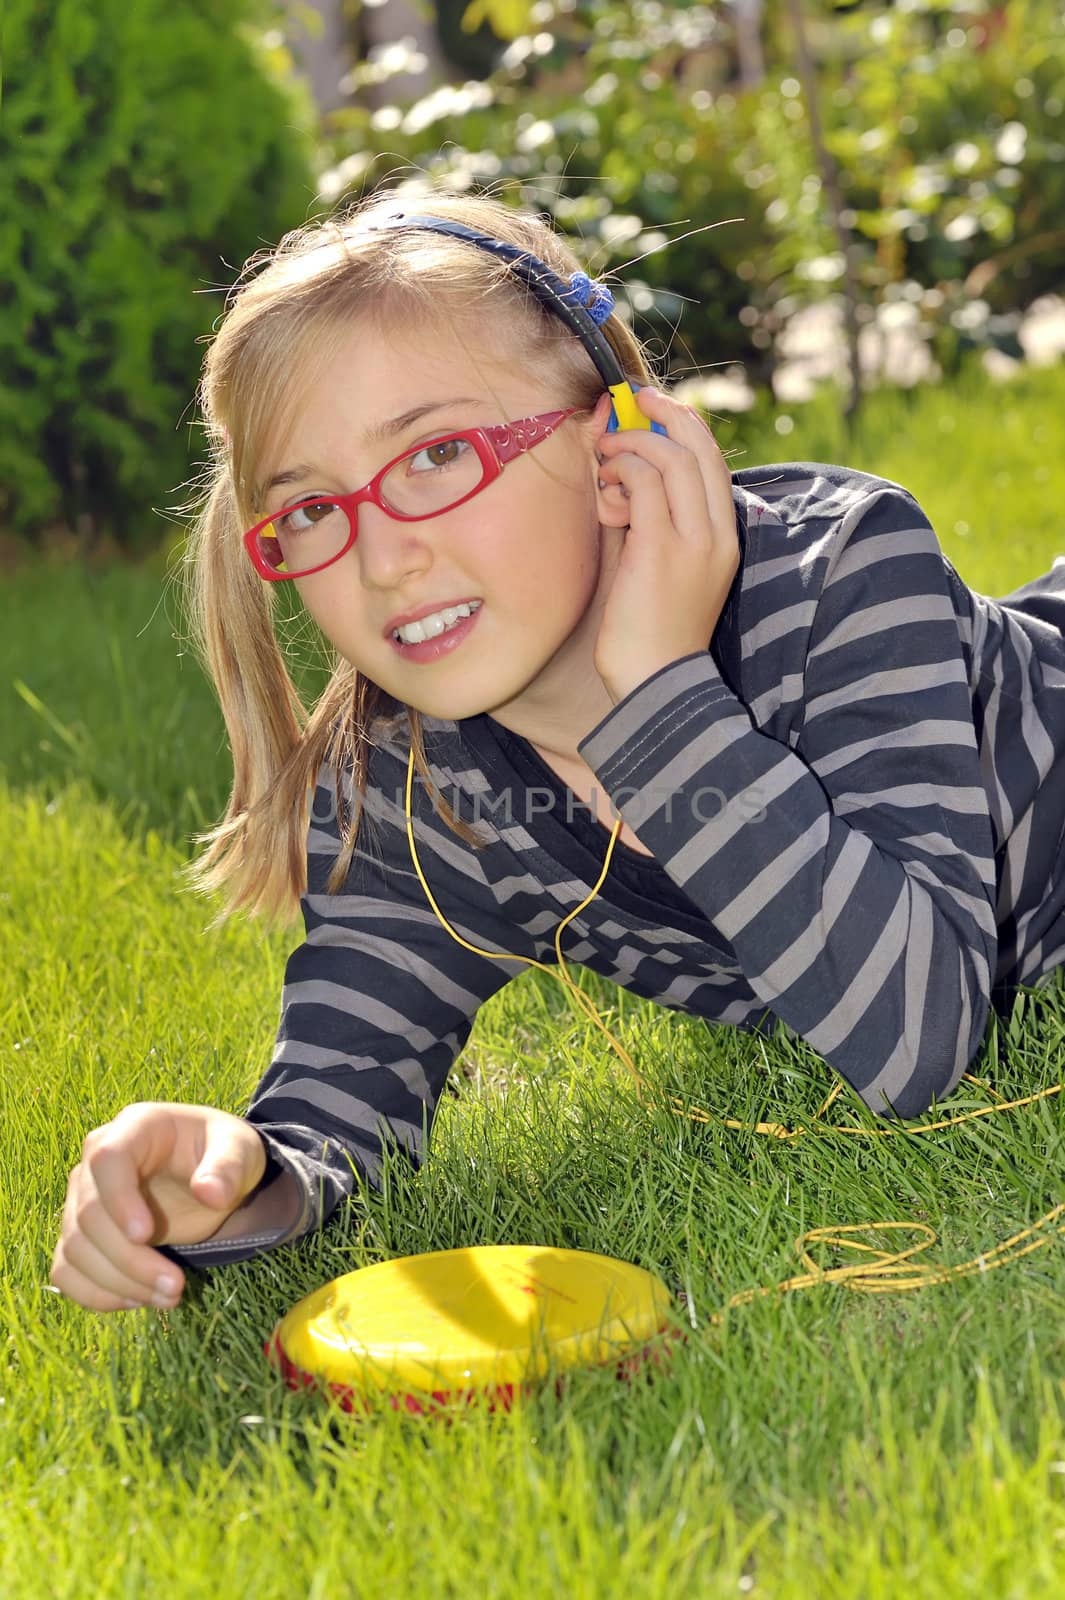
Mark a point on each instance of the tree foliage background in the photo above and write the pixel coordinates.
(149, 149)
(146, 150)
(625, 122)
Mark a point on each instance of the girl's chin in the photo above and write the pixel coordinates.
(445, 688)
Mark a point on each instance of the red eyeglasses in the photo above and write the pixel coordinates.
(424, 482)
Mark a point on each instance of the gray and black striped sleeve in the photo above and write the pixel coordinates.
(378, 1002)
(853, 873)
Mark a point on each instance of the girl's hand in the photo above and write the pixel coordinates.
(168, 1174)
(681, 551)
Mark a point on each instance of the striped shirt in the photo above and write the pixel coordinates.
(853, 800)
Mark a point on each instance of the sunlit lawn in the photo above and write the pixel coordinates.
(826, 1442)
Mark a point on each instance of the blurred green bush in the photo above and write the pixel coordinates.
(146, 149)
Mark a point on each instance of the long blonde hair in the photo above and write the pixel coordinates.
(320, 278)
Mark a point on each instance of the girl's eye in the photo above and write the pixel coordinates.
(444, 453)
(314, 513)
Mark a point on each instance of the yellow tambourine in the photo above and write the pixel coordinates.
(451, 1328)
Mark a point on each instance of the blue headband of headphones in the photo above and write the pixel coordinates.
(581, 303)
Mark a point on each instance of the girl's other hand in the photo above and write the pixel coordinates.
(157, 1174)
(681, 551)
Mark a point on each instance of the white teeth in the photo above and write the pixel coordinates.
(437, 622)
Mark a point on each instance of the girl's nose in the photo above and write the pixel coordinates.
(388, 551)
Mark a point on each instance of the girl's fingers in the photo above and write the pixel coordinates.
(95, 1249)
(83, 1287)
(698, 480)
(114, 1157)
(645, 488)
(677, 486)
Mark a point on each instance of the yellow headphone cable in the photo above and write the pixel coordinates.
(868, 1276)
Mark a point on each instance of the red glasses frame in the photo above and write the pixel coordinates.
(495, 446)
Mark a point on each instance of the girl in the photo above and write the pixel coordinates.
(838, 774)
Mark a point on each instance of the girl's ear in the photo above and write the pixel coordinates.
(611, 504)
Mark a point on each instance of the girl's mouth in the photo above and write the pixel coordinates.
(442, 645)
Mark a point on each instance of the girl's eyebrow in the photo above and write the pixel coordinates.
(375, 435)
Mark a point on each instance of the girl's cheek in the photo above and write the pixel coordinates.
(319, 603)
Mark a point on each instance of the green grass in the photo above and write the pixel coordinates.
(826, 1442)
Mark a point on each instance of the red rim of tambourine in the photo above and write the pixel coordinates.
(449, 1401)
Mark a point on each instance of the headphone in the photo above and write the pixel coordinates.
(567, 300)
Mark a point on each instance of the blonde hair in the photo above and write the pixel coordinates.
(320, 278)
